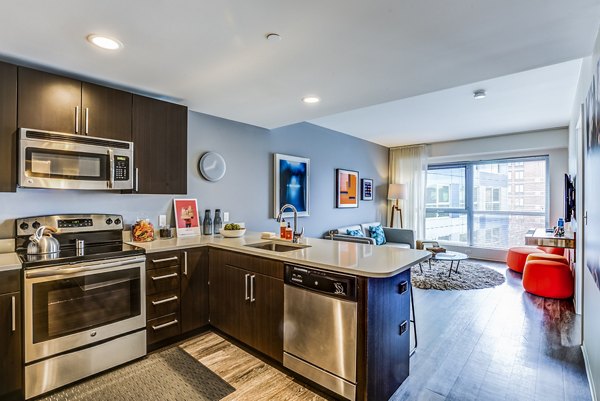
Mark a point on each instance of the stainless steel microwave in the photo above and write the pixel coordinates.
(65, 161)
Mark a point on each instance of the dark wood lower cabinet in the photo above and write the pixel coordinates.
(11, 360)
(194, 289)
(245, 304)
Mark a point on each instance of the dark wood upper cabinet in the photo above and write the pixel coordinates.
(160, 146)
(106, 112)
(8, 127)
(49, 102)
(55, 103)
(194, 289)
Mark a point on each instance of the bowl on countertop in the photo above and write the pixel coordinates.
(232, 233)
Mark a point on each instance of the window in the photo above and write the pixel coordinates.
(488, 204)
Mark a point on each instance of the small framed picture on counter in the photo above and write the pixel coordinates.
(186, 217)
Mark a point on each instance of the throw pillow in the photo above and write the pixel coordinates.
(355, 233)
(378, 234)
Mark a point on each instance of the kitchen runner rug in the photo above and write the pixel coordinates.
(470, 276)
(171, 375)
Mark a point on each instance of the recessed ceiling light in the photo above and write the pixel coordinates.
(311, 99)
(105, 42)
(479, 94)
(273, 37)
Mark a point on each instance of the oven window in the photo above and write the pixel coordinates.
(69, 305)
(66, 164)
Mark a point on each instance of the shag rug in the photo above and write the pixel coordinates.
(470, 276)
(171, 375)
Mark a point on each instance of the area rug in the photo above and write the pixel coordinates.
(470, 276)
(171, 375)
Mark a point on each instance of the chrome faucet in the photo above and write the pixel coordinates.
(296, 234)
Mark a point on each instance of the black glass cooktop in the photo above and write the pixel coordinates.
(70, 255)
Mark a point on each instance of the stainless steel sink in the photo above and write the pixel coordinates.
(277, 247)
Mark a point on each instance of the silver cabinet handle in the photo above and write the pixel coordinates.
(111, 163)
(87, 120)
(13, 301)
(164, 260)
(77, 119)
(164, 301)
(137, 179)
(246, 297)
(252, 281)
(162, 326)
(185, 263)
(156, 278)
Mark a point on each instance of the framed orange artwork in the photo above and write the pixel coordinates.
(346, 188)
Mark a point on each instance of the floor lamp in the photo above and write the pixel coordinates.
(396, 192)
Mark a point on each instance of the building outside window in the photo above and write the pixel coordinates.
(488, 204)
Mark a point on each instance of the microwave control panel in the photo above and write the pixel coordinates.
(121, 168)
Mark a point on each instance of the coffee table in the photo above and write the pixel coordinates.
(451, 257)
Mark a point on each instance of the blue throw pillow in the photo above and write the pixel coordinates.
(355, 233)
(378, 234)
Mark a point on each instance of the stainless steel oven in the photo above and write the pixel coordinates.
(65, 161)
(82, 318)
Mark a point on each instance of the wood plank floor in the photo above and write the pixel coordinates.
(492, 344)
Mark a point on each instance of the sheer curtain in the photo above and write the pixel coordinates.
(408, 165)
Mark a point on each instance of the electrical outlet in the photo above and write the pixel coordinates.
(162, 220)
(225, 217)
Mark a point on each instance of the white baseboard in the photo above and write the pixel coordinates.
(589, 373)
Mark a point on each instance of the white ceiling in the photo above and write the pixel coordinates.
(526, 101)
(213, 57)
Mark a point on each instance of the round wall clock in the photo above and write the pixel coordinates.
(212, 166)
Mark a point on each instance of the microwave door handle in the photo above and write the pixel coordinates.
(111, 162)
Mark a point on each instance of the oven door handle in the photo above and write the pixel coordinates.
(66, 271)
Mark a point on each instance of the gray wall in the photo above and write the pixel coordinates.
(246, 191)
(591, 293)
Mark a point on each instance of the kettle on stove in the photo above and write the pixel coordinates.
(42, 242)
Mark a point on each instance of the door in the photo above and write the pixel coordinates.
(229, 300)
(266, 305)
(10, 343)
(48, 102)
(106, 112)
(194, 289)
(8, 127)
(160, 140)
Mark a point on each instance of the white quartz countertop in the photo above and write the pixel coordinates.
(9, 261)
(345, 257)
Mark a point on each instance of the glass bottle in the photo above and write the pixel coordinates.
(207, 224)
(218, 223)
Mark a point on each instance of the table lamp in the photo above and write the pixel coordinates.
(396, 192)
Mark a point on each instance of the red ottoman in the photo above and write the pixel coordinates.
(548, 279)
(547, 256)
(517, 256)
(554, 251)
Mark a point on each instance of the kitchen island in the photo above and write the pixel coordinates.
(247, 291)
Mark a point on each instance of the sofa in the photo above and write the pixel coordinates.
(395, 237)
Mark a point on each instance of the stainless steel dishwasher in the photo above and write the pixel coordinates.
(320, 328)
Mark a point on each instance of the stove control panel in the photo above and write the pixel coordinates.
(70, 223)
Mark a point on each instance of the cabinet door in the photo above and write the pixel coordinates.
(49, 102)
(160, 140)
(106, 112)
(229, 301)
(267, 316)
(8, 127)
(194, 289)
(10, 343)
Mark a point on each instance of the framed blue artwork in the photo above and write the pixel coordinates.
(292, 184)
